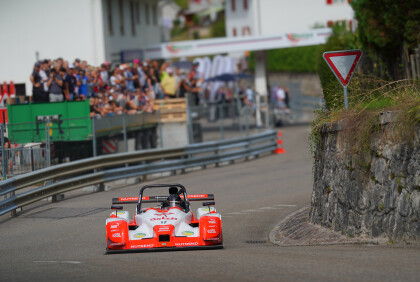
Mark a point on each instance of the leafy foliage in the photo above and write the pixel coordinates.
(182, 3)
(385, 27)
(218, 28)
(298, 59)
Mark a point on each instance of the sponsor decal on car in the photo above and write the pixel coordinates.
(213, 239)
(121, 212)
(143, 246)
(211, 231)
(129, 199)
(187, 233)
(139, 235)
(116, 235)
(186, 244)
(163, 218)
(114, 226)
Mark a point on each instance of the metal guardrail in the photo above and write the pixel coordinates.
(98, 170)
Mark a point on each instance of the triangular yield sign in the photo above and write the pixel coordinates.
(343, 63)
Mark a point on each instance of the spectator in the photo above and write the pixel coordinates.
(117, 80)
(104, 75)
(169, 84)
(36, 80)
(281, 98)
(82, 83)
(55, 84)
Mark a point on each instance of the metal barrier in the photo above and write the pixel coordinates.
(102, 169)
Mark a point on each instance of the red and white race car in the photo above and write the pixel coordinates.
(169, 226)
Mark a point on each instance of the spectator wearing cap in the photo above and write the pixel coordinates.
(169, 84)
(36, 80)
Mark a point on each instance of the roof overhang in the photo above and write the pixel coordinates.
(193, 48)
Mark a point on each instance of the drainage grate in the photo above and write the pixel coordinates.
(256, 242)
(66, 212)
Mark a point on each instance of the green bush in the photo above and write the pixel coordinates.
(218, 28)
(298, 59)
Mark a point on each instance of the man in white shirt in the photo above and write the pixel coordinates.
(281, 98)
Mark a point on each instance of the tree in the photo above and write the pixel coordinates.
(388, 28)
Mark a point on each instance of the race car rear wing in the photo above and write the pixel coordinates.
(154, 199)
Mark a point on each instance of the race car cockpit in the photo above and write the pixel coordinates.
(174, 200)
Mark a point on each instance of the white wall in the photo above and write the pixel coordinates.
(58, 28)
(269, 17)
(67, 29)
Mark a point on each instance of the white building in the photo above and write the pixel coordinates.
(92, 30)
(271, 17)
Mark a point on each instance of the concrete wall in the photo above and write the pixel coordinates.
(146, 32)
(373, 194)
(309, 83)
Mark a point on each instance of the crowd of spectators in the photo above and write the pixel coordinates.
(125, 88)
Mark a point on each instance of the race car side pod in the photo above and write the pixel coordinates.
(279, 149)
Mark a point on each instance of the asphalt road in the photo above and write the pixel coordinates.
(65, 241)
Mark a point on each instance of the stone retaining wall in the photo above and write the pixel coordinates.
(374, 194)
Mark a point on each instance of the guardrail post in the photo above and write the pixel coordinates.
(3, 152)
(221, 121)
(247, 121)
(160, 129)
(47, 142)
(93, 136)
(125, 133)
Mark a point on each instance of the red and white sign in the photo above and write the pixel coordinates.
(109, 146)
(343, 64)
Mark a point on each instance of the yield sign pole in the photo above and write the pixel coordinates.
(342, 64)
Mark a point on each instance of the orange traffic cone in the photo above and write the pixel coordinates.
(279, 149)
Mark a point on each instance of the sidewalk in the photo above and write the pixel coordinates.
(296, 230)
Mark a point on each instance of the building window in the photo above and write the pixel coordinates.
(154, 14)
(245, 4)
(109, 8)
(121, 10)
(234, 31)
(233, 6)
(137, 12)
(146, 10)
(133, 22)
(246, 30)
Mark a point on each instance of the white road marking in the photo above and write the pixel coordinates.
(56, 261)
(268, 208)
(223, 216)
(252, 211)
(285, 205)
(236, 213)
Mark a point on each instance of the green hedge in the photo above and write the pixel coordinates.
(298, 59)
